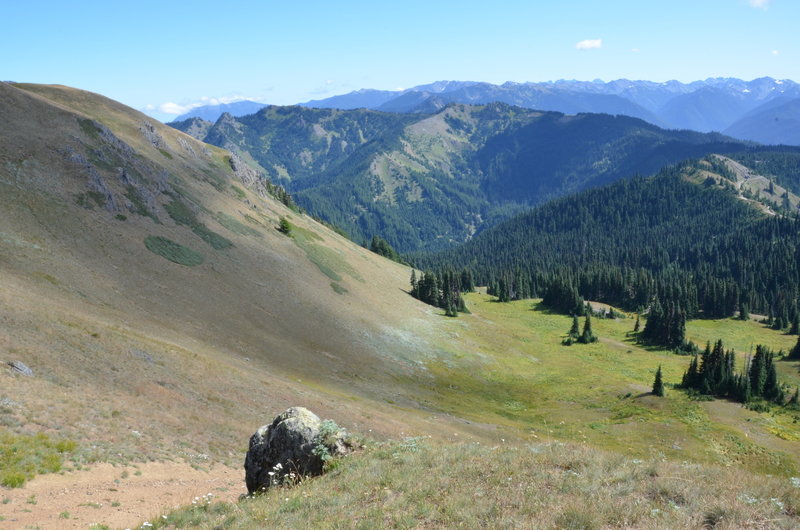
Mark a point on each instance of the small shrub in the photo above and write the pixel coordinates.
(12, 479)
(284, 227)
(22, 457)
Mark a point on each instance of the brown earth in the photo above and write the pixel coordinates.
(115, 496)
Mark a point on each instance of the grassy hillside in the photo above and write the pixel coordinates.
(419, 483)
(165, 318)
(579, 441)
(162, 313)
(431, 180)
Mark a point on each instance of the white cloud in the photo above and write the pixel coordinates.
(589, 44)
(761, 4)
(174, 109)
(775, 52)
(636, 50)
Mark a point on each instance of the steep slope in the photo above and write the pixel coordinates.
(775, 122)
(162, 314)
(428, 181)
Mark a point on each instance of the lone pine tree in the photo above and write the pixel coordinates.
(658, 384)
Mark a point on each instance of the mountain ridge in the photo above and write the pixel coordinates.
(713, 104)
(424, 180)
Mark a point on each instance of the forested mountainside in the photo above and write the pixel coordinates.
(694, 237)
(431, 181)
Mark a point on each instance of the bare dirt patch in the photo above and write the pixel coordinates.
(115, 496)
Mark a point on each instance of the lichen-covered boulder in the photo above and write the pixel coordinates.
(295, 444)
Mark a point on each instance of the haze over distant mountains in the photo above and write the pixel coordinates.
(764, 110)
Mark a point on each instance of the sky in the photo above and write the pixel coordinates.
(166, 57)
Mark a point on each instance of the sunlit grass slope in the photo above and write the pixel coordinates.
(511, 370)
(422, 484)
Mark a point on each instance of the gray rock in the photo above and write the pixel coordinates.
(150, 133)
(292, 445)
(21, 368)
(188, 148)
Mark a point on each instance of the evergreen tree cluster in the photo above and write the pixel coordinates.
(280, 193)
(713, 373)
(443, 289)
(514, 286)
(382, 247)
(665, 325)
(587, 336)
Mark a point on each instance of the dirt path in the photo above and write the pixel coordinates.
(118, 497)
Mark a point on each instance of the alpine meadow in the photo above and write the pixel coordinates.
(261, 269)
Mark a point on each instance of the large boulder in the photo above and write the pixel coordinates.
(295, 444)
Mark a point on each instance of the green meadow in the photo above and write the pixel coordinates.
(505, 364)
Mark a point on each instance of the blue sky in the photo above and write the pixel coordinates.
(167, 56)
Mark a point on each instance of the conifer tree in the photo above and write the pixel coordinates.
(744, 313)
(795, 329)
(795, 353)
(758, 371)
(690, 378)
(587, 336)
(284, 226)
(658, 384)
(574, 331)
(637, 325)
(772, 392)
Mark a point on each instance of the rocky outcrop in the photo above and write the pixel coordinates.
(247, 175)
(150, 134)
(20, 368)
(295, 444)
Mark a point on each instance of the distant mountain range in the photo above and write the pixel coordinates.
(431, 180)
(729, 105)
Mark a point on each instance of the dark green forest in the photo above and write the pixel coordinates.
(675, 244)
